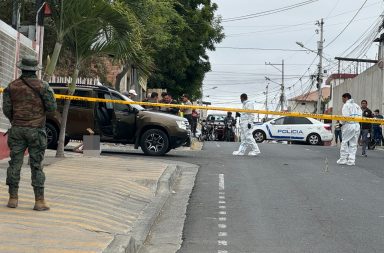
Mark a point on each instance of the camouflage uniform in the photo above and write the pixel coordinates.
(26, 107)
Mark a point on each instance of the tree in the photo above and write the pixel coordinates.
(181, 66)
(153, 17)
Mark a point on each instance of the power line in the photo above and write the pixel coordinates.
(281, 29)
(345, 28)
(269, 12)
(264, 49)
(305, 23)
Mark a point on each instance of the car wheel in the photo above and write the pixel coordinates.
(314, 139)
(154, 142)
(259, 136)
(52, 136)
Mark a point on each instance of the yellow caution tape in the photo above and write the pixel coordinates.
(226, 109)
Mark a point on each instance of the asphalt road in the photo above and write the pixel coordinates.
(285, 200)
(291, 198)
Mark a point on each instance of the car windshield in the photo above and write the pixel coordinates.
(138, 107)
(216, 117)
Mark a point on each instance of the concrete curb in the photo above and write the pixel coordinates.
(167, 233)
(133, 241)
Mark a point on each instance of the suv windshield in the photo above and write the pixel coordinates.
(138, 107)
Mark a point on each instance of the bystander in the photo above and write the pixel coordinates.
(377, 130)
(187, 112)
(365, 128)
(338, 134)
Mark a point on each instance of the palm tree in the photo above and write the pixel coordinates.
(104, 29)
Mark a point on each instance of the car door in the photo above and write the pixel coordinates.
(295, 128)
(277, 129)
(299, 127)
(124, 120)
(80, 115)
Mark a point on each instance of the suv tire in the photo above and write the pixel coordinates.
(52, 136)
(154, 142)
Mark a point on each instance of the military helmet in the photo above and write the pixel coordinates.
(29, 63)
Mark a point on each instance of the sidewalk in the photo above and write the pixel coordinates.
(92, 200)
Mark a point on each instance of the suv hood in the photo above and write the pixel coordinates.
(161, 115)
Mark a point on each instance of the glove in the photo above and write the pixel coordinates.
(249, 126)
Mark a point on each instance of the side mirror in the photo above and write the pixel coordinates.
(272, 122)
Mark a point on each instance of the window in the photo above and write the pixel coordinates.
(296, 121)
(119, 107)
(79, 103)
(302, 121)
(109, 105)
(279, 121)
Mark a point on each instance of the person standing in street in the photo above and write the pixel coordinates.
(350, 131)
(366, 128)
(187, 112)
(229, 124)
(377, 131)
(153, 99)
(338, 134)
(131, 94)
(195, 117)
(246, 122)
(25, 103)
(167, 99)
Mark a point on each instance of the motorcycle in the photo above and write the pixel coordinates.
(208, 132)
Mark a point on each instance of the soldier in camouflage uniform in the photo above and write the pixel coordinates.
(25, 103)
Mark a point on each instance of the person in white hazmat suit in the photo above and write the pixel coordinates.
(350, 131)
(246, 122)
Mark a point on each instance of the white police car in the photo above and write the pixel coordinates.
(297, 129)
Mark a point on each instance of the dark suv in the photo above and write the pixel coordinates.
(156, 133)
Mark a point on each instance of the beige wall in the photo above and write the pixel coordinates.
(368, 85)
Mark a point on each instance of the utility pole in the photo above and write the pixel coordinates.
(320, 73)
(282, 96)
(266, 99)
(282, 87)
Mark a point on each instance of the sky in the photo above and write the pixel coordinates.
(236, 71)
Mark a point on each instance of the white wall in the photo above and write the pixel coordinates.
(13, 46)
(309, 107)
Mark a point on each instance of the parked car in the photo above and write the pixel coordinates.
(295, 129)
(155, 132)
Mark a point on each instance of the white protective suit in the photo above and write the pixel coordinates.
(247, 139)
(350, 132)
